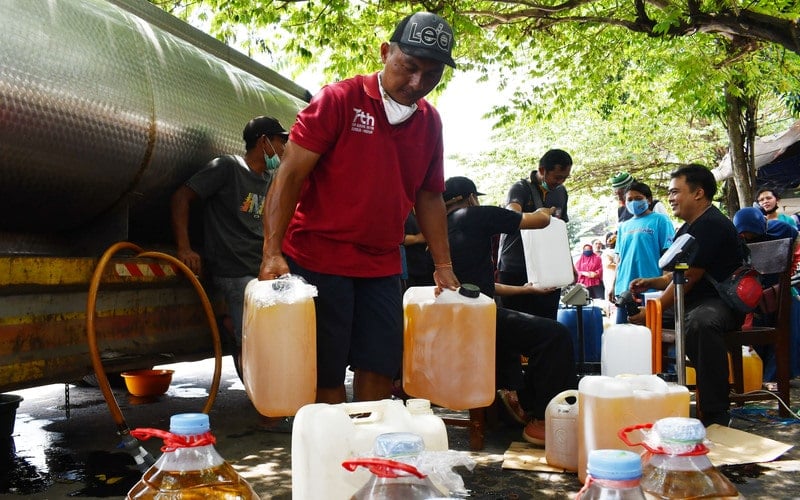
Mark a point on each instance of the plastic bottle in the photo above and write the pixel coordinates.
(561, 427)
(612, 475)
(279, 345)
(608, 404)
(676, 464)
(547, 256)
(449, 347)
(325, 435)
(190, 467)
(626, 349)
(394, 479)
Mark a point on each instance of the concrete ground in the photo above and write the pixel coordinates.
(66, 451)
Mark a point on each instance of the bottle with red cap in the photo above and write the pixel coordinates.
(190, 467)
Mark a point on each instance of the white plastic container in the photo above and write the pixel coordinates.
(324, 435)
(279, 345)
(547, 255)
(626, 350)
(608, 404)
(449, 347)
(561, 426)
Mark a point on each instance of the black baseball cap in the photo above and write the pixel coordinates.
(425, 35)
(262, 125)
(458, 188)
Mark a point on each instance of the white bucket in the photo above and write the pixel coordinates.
(547, 255)
(626, 350)
(561, 426)
(323, 436)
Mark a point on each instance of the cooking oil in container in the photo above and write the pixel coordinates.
(677, 465)
(608, 404)
(449, 346)
(279, 345)
(190, 468)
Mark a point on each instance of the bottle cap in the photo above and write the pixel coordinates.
(398, 444)
(679, 431)
(189, 424)
(617, 465)
(469, 290)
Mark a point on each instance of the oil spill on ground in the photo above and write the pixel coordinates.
(108, 475)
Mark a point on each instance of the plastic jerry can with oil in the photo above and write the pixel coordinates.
(609, 404)
(626, 349)
(561, 428)
(324, 436)
(449, 346)
(279, 345)
(548, 260)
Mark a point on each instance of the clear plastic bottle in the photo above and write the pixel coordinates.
(190, 467)
(677, 464)
(612, 475)
(394, 479)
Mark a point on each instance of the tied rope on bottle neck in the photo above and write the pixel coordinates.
(698, 449)
(174, 441)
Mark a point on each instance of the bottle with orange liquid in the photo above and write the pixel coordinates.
(676, 464)
(190, 468)
(279, 345)
(449, 347)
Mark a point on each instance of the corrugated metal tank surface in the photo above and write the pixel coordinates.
(102, 116)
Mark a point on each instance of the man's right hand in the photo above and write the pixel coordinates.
(191, 259)
(273, 267)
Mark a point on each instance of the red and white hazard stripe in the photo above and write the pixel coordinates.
(145, 270)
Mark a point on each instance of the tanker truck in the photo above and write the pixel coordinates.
(106, 107)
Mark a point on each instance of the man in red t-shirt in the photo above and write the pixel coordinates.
(362, 153)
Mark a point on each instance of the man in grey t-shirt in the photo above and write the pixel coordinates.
(232, 189)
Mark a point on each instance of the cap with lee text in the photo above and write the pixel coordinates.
(425, 35)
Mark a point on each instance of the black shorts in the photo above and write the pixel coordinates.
(359, 324)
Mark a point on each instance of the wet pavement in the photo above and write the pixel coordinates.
(63, 451)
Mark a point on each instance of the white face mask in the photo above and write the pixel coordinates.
(395, 112)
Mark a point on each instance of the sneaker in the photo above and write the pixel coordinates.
(534, 432)
(511, 402)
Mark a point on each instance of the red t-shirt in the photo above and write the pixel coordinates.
(352, 208)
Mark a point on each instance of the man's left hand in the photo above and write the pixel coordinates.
(445, 278)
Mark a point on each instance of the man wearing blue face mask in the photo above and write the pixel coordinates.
(232, 189)
(640, 242)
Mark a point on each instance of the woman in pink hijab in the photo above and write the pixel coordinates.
(590, 272)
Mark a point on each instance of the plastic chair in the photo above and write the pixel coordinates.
(768, 258)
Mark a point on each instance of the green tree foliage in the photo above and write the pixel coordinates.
(638, 85)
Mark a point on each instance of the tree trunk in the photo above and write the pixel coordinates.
(741, 125)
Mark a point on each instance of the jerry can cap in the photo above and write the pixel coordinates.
(469, 290)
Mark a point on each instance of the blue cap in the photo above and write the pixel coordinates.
(398, 444)
(189, 424)
(617, 465)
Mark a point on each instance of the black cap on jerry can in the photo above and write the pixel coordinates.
(469, 290)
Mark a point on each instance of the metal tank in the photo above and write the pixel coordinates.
(105, 108)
